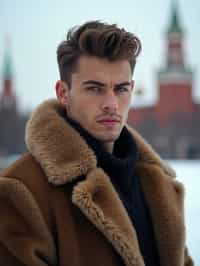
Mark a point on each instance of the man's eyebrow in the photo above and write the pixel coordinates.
(98, 83)
(94, 82)
(126, 83)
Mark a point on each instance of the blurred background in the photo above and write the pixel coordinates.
(166, 102)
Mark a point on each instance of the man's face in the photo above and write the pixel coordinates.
(99, 96)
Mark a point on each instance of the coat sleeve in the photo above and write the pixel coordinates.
(24, 235)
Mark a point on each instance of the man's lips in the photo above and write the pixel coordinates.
(109, 121)
(110, 118)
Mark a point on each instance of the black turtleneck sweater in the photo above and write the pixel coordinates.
(120, 167)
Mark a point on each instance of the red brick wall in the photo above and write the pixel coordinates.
(173, 98)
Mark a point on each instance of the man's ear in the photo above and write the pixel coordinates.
(61, 91)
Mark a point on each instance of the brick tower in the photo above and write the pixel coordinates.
(12, 123)
(172, 124)
(7, 95)
(175, 80)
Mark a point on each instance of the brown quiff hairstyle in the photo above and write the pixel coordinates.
(98, 39)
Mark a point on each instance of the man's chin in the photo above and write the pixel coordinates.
(108, 137)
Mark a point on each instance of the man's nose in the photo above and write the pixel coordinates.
(110, 102)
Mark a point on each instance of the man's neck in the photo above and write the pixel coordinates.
(108, 146)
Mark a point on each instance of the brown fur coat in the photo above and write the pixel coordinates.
(50, 218)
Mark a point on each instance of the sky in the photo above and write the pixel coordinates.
(35, 28)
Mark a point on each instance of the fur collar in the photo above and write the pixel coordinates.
(64, 156)
(62, 153)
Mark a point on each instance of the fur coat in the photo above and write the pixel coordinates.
(50, 217)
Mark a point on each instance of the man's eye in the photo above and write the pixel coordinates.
(122, 89)
(93, 89)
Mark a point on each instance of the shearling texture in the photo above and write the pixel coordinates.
(51, 151)
(16, 201)
(82, 223)
(113, 222)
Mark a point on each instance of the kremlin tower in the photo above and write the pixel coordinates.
(175, 80)
(172, 124)
(7, 96)
(12, 123)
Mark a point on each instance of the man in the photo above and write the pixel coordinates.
(91, 191)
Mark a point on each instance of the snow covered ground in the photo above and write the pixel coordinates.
(188, 172)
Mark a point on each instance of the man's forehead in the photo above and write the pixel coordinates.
(102, 70)
(99, 62)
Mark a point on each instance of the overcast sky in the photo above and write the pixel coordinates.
(36, 27)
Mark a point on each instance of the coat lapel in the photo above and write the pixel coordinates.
(165, 200)
(98, 200)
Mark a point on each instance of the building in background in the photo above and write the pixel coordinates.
(12, 122)
(172, 125)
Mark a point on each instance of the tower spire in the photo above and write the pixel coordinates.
(175, 36)
(7, 97)
(175, 25)
(7, 64)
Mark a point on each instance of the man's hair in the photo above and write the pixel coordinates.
(95, 38)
